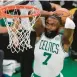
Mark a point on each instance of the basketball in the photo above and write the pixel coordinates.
(63, 13)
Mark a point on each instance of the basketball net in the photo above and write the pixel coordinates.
(19, 28)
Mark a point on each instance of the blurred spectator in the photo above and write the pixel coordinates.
(75, 3)
(74, 44)
(1, 62)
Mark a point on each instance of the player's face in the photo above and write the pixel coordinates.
(52, 24)
(51, 27)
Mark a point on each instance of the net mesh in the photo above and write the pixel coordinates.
(19, 29)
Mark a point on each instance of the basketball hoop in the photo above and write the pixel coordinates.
(19, 25)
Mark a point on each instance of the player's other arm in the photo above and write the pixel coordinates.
(68, 34)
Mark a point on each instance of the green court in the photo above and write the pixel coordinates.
(69, 70)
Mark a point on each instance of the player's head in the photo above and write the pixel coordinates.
(53, 23)
(63, 13)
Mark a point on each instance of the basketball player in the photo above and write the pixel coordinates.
(27, 56)
(50, 49)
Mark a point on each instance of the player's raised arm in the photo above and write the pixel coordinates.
(68, 33)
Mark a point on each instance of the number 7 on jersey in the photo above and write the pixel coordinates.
(47, 59)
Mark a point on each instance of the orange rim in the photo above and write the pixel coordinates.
(12, 7)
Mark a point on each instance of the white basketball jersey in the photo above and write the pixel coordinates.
(49, 57)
